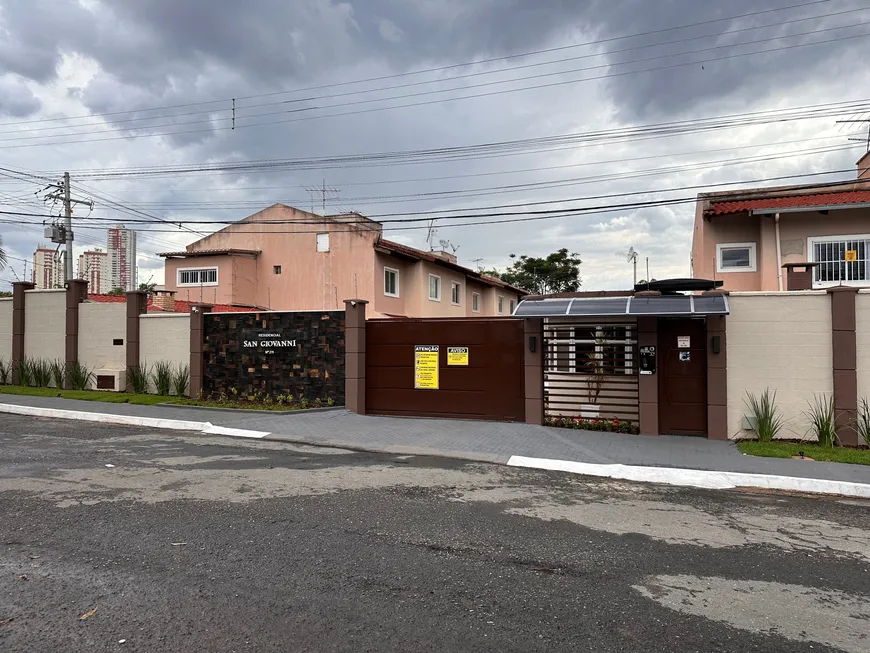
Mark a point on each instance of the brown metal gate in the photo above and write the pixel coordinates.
(591, 370)
(490, 386)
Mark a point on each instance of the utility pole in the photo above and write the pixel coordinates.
(67, 205)
(64, 234)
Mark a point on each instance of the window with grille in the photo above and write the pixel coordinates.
(198, 277)
(583, 349)
(475, 302)
(842, 260)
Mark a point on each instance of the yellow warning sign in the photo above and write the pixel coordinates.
(457, 355)
(851, 255)
(426, 367)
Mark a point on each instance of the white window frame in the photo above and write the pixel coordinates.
(753, 259)
(437, 298)
(499, 304)
(475, 302)
(395, 272)
(512, 306)
(179, 283)
(456, 285)
(318, 247)
(811, 255)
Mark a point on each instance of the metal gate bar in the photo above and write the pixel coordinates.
(591, 370)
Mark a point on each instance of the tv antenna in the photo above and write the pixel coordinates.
(444, 244)
(862, 139)
(324, 191)
(478, 262)
(430, 236)
(631, 257)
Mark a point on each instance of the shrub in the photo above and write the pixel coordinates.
(25, 372)
(80, 377)
(180, 378)
(864, 421)
(58, 372)
(768, 421)
(608, 425)
(162, 377)
(5, 372)
(823, 421)
(41, 372)
(137, 378)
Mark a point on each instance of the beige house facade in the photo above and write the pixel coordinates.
(286, 259)
(749, 238)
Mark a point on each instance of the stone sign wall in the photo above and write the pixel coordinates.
(273, 354)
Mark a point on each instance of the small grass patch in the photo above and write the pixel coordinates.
(789, 449)
(87, 395)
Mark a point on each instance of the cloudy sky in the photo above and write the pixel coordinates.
(102, 87)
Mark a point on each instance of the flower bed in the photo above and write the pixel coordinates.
(608, 425)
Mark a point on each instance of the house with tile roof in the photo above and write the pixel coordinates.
(286, 259)
(755, 239)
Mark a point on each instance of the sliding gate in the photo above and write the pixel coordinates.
(590, 369)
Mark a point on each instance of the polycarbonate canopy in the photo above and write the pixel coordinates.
(664, 305)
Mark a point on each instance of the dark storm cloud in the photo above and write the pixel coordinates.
(16, 100)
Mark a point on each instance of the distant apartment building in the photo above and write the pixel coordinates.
(94, 268)
(122, 258)
(286, 259)
(48, 268)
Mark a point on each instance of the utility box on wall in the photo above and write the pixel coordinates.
(299, 354)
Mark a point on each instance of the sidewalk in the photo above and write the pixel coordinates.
(506, 443)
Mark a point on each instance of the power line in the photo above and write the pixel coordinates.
(440, 68)
(427, 102)
(231, 117)
(500, 148)
(509, 188)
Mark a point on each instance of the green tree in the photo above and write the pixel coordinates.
(118, 292)
(558, 272)
(148, 287)
(5, 293)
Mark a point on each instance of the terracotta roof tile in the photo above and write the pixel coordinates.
(181, 306)
(789, 201)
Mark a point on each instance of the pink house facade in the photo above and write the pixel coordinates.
(282, 258)
(750, 238)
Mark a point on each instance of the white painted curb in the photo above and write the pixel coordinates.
(697, 477)
(131, 420)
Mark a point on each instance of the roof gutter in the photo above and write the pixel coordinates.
(809, 209)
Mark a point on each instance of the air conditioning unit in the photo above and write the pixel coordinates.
(110, 380)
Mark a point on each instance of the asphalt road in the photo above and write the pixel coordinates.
(194, 543)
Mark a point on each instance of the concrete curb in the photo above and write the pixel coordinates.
(131, 420)
(714, 480)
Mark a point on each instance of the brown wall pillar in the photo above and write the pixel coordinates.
(76, 293)
(648, 384)
(197, 342)
(717, 378)
(137, 304)
(533, 360)
(355, 355)
(18, 306)
(845, 351)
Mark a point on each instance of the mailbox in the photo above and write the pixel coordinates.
(647, 360)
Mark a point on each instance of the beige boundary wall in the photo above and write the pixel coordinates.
(780, 341)
(862, 336)
(99, 326)
(165, 337)
(6, 330)
(45, 324)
